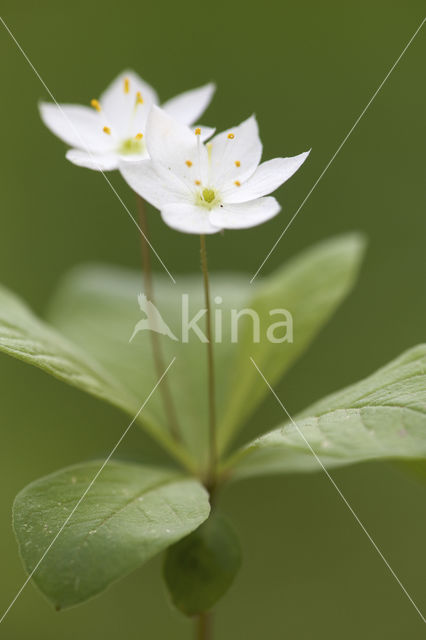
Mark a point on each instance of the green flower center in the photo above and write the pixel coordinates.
(208, 195)
(131, 146)
(207, 198)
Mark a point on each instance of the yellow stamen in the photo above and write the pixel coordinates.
(188, 163)
(209, 146)
(139, 99)
(139, 136)
(107, 130)
(237, 183)
(237, 163)
(95, 104)
(197, 182)
(231, 136)
(126, 85)
(198, 131)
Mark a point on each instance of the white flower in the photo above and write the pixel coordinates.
(204, 188)
(114, 127)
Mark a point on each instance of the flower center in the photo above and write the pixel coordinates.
(208, 195)
(131, 146)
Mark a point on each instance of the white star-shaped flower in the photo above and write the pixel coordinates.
(204, 188)
(114, 127)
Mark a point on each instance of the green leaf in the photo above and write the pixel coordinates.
(311, 287)
(97, 307)
(96, 311)
(381, 417)
(24, 336)
(200, 569)
(130, 514)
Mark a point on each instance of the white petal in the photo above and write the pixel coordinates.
(189, 218)
(236, 158)
(244, 215)
(267, 177)
(137, 122)
(189, 106)
(96, 161)
(153, 183)
(76, 125)
(134, 157)
(177, 148)
(120, 106)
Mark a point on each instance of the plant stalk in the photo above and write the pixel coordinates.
(204, 626)
(211, 477)
(157, 353)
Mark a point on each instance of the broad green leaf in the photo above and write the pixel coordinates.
(200, 569)
(24, 336)
(96, 310)
(311, 287)
(381, 417)
(97, 307)
(130, 514)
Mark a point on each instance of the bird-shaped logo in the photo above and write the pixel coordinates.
(153, 320)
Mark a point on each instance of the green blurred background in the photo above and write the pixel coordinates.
(307, 69)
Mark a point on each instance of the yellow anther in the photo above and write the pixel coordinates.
(197, 182)
(237, 183)
(188, 163)
(237, 163)
(139, 136)
(95, 104)
(198, 131)
(126, 85)
(231, 136)
(107, 130)
(139, 99)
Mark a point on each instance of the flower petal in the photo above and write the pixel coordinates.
(267, 177)
(119, 102)
(76, 125)
(189, 218)
(236, 157)
(96, 161)
(245, 215)
(189, 106)
(152, 183)
(176, 147)
(134, 157)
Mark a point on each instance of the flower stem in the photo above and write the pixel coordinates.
(160, 366)
(211, 476)
(204, 626)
